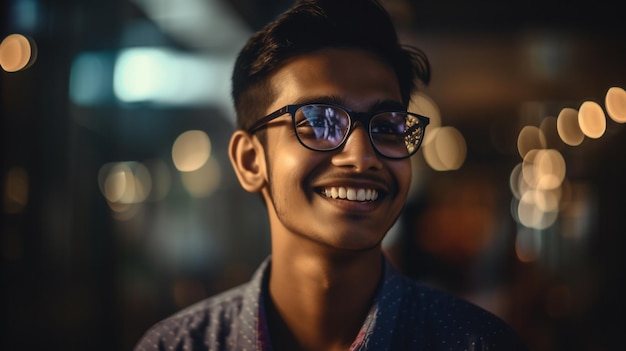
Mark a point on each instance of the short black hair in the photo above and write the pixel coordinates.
(311, 25)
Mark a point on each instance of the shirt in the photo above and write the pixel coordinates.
(405, 315)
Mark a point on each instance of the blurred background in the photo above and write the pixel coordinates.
(119, 206)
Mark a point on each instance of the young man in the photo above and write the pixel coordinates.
(323, 135)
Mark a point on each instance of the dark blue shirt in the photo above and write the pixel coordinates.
(404, 316)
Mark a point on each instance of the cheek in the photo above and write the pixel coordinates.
(287, 170)
(290, 164)
(403, 173)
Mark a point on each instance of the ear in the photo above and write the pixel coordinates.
(248, 160)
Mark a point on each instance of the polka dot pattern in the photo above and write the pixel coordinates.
(404, 316)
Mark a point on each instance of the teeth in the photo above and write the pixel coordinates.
(351, 194)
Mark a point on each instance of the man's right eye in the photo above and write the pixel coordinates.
(308, 125)
(310, 122)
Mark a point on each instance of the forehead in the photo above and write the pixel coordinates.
(357, 78)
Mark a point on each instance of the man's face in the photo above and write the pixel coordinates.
(300, 181)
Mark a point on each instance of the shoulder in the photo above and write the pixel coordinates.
(222, 322)
(446, 319)
(202, 326)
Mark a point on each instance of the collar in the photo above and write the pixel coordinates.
(378, 322)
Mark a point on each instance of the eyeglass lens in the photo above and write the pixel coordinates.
(324, 127)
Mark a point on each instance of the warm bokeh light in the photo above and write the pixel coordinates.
(446, 149)
(536, 187)
(538, 184)
(615, 102)
(549, 169)
(591, 119)
(528, 168)
(124, 182)
(424, 105)
(544, 169)
(568, 127)
(547, 200)
(529, 138)
(17, 52)
(516, 181)
(191, 150)
(120, 185)
(531, 216)
(203, 181)
(16, 186)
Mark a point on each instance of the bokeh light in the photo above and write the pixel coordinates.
(17, 52)
(424, 105)
(615, 101)
(548, 200)
(591, 119)
(529, 138)
(166, 77)
(516, 181)
(446, 149)
(142, 74)
(125, 182)
(536, 187)
(568, 127)
(539, 185)
(531, 216)
(549, 169)
(191, 150)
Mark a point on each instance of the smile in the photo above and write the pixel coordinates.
(351, 194)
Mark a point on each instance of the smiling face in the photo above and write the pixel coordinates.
(346, 199)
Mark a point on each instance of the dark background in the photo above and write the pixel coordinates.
(76, 276)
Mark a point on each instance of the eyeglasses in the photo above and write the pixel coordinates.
(326, 127)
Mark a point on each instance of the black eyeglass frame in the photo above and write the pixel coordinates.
(354, 116)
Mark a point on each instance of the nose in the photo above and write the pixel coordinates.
(357, 151)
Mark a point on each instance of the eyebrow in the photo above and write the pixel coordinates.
(380, 105)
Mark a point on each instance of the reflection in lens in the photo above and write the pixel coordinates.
(396, 134)
(321, 127)
(331, 128)
(414, 133)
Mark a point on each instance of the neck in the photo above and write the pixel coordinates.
(321, 303)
